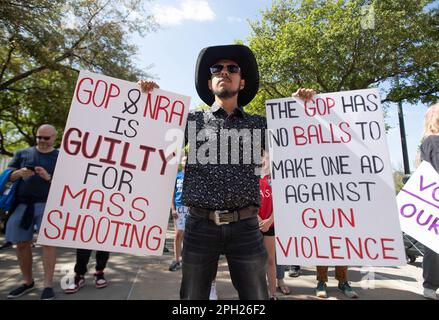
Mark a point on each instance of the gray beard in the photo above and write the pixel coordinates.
(225, 93)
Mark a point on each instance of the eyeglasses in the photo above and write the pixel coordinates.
(231, 68)
(43, 138)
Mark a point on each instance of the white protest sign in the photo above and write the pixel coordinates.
(418, 204)
(114, 179)
(333, 192)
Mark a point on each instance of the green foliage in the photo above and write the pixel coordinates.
(398, 180)
(44, 44)
(334, 45)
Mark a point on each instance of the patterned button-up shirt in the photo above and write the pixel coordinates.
(222, 173)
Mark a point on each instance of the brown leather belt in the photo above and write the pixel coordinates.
(221, 217)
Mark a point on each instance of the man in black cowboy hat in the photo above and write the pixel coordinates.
(220, 188)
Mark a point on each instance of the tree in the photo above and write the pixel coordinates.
(340, 45)
(44, 44)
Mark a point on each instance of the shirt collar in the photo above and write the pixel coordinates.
(238, 111)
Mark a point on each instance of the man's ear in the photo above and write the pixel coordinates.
(241, 84)
(209, 84)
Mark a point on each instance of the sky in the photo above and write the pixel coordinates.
(187, 26)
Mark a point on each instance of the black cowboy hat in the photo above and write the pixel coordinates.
(240, 54)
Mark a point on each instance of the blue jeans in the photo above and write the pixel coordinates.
(430, 268)
(242, 244)
(14, 232)
(280, 271)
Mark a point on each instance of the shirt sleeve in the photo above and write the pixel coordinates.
(16, 161)
(426, 150)
(190, 122)
(264, 134)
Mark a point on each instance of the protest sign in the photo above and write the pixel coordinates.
(114, 179)
(333, 192)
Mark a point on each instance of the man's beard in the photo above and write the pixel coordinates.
(225, 93)
(44, 146)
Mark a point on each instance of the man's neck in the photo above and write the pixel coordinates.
(228, 104)
(45, 150)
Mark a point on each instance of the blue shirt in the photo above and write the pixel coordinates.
(34, 188)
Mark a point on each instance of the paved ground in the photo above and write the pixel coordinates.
(148, 278)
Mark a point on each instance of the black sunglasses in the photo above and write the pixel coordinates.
(231, 68)
(43, 138)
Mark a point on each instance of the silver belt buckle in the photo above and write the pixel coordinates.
(217, 218)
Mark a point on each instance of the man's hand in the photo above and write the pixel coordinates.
(43, 173)
(21, 173)
(174, 214)
(304, 94)
(147, 86)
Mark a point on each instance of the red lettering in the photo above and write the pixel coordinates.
(121, 211)
(88, 92)
(310, 223)
(124, 244)
(349, 245)
(99, 199)
(285, 251)
(317, 250)
(310, 112)
(97, 230)
(333, 136)
(322, 135)
(317, 134)
(157, 239)
(148, 107)
(367, 248)
(135, 233)
(162, 107)
(100, 228)
(142, 212)
(313, 133)
(299, 133)
(66, 190)
(329, 226)
(98, 105)
(334, 247)
(179, 114)
(385, 249)
(296, 246)
(84, 226)
(67, 142)
(302, 244)
(123, 161)
(100, 93)
(95, 149)
(91, 150)
(116, 232)
(49, 219)
(348, 134)
(109, 158)
(147, 150)
(112, 94)
(165, 160)
(330, 104)
(319, 106)
(72, 228)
